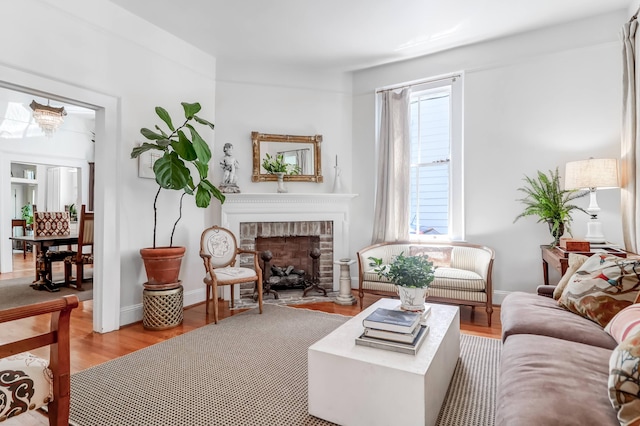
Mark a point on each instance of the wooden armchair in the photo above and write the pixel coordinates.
(25, 381)
(218, 250)
(80, 258)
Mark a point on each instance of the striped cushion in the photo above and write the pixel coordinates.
(625, 323)
(472, 296)
(449, 278)
(458, 279)
(26, 383)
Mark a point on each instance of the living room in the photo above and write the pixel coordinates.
(533, 100)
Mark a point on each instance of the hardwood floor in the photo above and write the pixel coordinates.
(89, 348)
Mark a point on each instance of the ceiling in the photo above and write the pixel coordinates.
(347, 35)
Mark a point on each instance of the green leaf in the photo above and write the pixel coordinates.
(171, 172)
(183, 147)
(199, 144)
(135, 152)
(162, 132)
(150, 134)
(190, 109)
(203, 121)
(203, 197)
(163, 142)
(203, 169)
(164, 115)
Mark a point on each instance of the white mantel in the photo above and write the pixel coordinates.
(293, 207)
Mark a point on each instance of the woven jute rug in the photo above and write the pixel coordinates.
(249, 369)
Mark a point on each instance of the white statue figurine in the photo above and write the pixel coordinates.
(229, 165)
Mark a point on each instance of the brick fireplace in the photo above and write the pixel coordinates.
(290, 244)
(326, 216)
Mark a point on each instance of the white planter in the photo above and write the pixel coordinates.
(412, 298)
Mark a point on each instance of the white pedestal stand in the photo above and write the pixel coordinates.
(345, 297)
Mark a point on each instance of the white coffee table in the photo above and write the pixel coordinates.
(358, 385)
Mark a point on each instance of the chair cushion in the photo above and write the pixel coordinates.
(458, 279)
(26, 383)
(232, 274)
(86, 259)
(602, 287)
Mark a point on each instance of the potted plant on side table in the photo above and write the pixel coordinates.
(544, 198)
(277, 166)
(412, 276)
(178, 146)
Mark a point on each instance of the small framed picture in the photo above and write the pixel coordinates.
(146, 161)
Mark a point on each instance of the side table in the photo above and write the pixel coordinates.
(559, 259)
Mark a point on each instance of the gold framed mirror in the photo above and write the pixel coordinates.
(300, 151)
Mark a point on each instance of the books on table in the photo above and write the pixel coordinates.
(392, 320)
(407, 348)
(395, 329)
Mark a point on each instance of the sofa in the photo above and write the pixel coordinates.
(462, 275)
(572, 356)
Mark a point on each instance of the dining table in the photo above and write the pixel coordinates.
(42, 244)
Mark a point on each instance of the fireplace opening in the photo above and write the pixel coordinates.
(291, 244)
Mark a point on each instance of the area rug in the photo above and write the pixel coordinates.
(17, 292)
(249, 369)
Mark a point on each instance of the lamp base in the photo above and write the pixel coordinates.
(594, 232)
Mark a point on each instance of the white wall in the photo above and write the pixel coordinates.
(532, 102)
(306, 102)
(103, 50)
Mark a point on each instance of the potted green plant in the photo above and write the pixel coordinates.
(545, 198)
(277, 166)
(27, 214)
(412, 276)
(180, 146)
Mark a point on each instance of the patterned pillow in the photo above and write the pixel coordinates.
(575, 262)
(624, 380)
(625, 323)
(602, 287)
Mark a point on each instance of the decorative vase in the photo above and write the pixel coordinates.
(556, 234)
(162, 265)
(412, 298)
(281, 187)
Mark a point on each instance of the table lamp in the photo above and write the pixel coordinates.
(592, 174)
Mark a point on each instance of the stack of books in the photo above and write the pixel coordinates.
(395, 330)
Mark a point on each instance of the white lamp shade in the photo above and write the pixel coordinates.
(593, 173)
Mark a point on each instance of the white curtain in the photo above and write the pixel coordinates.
(391, 220)
(630, 147)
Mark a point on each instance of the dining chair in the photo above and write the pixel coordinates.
(20, 223)
(28, 382)
(48, 224)
(218, 250)
(80, 258)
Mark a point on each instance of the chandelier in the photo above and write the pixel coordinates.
(48, 118)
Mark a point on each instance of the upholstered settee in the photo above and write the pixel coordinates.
(462, 275)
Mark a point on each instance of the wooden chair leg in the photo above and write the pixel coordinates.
(206, 299)
(215, 303)
(79, 275)
(260, 294)
(67, 273)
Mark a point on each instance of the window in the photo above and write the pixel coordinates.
(436, 198)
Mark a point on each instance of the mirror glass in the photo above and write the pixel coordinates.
(300, 151)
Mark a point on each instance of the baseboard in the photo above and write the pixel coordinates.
(498, 296)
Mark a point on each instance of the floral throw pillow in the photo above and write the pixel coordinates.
(624, 380)
(602, 287)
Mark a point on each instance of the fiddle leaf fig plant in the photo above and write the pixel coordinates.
(180, 146)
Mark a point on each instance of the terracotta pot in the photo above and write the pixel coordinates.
(163, 266)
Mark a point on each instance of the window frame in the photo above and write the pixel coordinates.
(456, 155)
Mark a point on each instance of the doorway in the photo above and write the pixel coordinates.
(106, 312)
